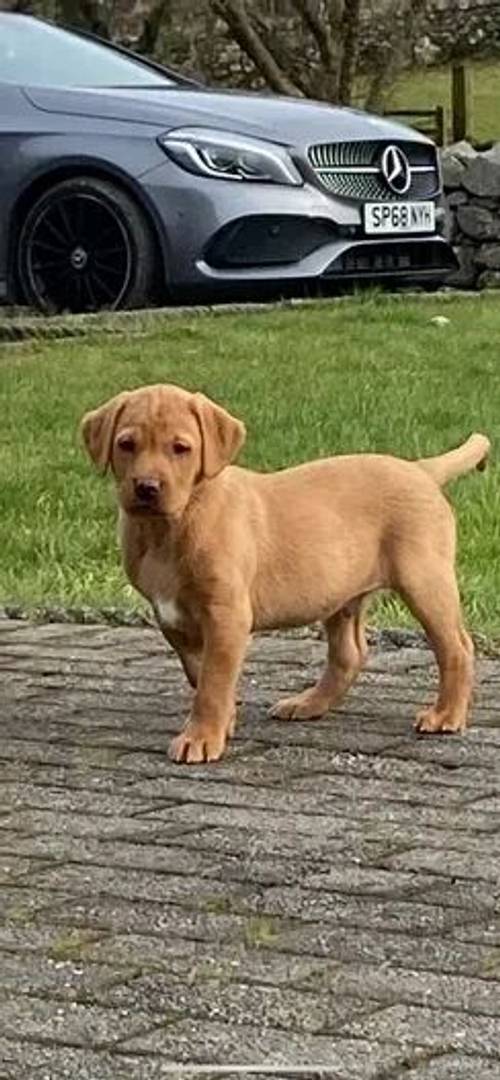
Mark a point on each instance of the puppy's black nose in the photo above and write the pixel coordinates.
(147, 490)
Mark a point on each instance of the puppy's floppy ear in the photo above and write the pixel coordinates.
(98, 428)
(222, 435)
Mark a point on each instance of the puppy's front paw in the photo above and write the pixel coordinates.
(197, 744)
(440, 722)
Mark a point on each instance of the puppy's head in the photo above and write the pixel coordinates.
(160, 442)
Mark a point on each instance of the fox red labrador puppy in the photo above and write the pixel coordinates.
(220, 551)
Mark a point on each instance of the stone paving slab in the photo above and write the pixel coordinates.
(325, 899)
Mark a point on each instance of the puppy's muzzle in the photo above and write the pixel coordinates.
(147, 491)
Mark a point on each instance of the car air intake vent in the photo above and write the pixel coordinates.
(393, 259)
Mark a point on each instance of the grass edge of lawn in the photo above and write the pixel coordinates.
(121, 617)
(25, 325)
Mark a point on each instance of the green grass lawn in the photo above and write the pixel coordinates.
(423, 88)
(368, 374)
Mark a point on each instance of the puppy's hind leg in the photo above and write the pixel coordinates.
(347, 653)
(435, 602)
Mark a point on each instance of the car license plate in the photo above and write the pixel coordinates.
(399, 217)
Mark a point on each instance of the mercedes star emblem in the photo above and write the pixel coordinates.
(395, 169)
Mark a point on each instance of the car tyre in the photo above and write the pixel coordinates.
(85, 245)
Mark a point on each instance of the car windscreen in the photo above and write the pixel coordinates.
(41, 54)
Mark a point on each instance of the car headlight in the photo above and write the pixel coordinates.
(229, 156)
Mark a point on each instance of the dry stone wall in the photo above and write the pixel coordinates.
(471, 183)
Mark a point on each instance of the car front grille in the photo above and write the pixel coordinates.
(353, 170)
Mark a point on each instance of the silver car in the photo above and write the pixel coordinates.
(123, 184)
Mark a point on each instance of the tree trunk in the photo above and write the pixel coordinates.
(235, 15)
(350, 42)
(152, 25)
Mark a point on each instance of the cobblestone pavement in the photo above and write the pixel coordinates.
(325, 897)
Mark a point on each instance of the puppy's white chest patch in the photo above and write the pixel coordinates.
(167, 612)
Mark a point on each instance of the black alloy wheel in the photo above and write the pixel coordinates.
(85, 246)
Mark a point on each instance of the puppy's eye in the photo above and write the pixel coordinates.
(126, 443)
(180, 448)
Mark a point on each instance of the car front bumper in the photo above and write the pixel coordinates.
(220, 234)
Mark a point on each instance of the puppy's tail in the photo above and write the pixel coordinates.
(472, 454)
